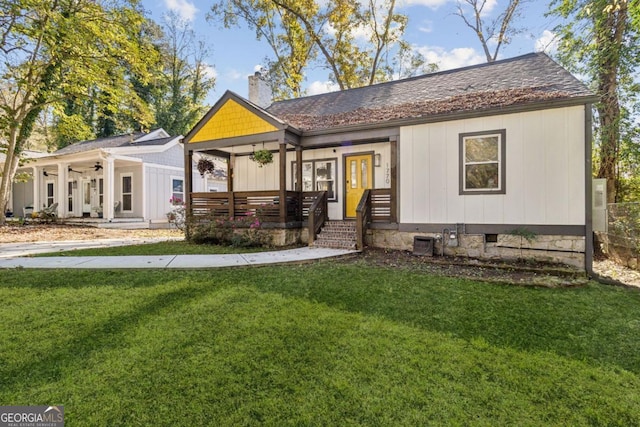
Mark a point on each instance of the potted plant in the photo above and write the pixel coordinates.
(205, 166)
(262, 157)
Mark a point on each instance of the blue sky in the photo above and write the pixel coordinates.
(433, 30)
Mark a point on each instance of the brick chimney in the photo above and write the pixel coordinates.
(259, 91)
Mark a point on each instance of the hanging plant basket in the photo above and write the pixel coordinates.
(262, 157)
(205, 166)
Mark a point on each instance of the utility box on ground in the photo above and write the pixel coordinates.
(599, 204)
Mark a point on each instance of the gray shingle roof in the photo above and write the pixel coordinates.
(111, 142)
(528, 78)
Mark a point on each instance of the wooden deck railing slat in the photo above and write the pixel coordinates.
(299, 206)
(265, 204)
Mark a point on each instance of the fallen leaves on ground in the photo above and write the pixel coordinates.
(59, 232)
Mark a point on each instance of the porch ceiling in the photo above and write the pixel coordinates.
(245, 145)
(85, 165)
(246, 149)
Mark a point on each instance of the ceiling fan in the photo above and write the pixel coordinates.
(97, 166)
(71, 170)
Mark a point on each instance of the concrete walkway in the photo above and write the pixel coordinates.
(12, 250)
(14, 255)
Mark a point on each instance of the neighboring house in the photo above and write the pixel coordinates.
(132, 177)
(489, 161)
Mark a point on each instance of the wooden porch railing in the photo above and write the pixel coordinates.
(317, 214)
(374, 206)
(265, 204)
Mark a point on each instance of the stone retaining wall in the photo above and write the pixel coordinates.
(568, 250)
(288, 236)
(623, 250)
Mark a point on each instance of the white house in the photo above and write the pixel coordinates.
(135, 177)
(489, 161)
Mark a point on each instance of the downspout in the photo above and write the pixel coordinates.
(589, 245)
(188, 181)
(588, 184)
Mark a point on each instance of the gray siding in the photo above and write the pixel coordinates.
(159, 191)
(172, 157)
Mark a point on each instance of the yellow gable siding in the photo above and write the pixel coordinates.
(232, 120)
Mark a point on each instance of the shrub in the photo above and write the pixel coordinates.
(241, 231)
(177, 214)
(205, 166)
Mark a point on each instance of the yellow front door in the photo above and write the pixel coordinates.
(358, 177)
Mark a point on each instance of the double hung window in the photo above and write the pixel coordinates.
(482, 162)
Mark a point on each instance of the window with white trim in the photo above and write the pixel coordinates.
(127, 193)
(482, 162)
(318, 175)
(50, 193)
(70, 196)
(177, 191)
(101, 191)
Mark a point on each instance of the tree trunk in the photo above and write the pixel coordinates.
(8, 173)
(609, 36)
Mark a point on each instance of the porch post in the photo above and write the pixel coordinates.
(283, 181)
(299, 180)
(109, 190)
(298, 168)
(394, 178)
(188, 180)
(231, 165)
(62, 188)
(36, 189)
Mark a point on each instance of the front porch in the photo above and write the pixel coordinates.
(300, 210)
(310, 177)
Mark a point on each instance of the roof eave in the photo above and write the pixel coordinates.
(459, 115)
(277, 122)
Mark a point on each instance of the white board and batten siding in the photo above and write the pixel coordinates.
(159, 191)
(249, 177)
(545, 171)
(136, 174)
(159, 184)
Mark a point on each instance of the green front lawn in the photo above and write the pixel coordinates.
(316, 344)
(171, 247)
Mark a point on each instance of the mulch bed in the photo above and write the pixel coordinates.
(514, 273)
(36, 232)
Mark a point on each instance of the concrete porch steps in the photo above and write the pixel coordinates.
(337, 235)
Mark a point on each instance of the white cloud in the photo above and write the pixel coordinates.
(547, 42)
(318, 87)
(210, 72)
(449, 59)
(184, 8)
(489, 6)
(363, 33)
(426, 26)
(234, 74)
(433, 4)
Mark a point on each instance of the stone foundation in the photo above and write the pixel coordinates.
(568, 250)
(287, 237)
